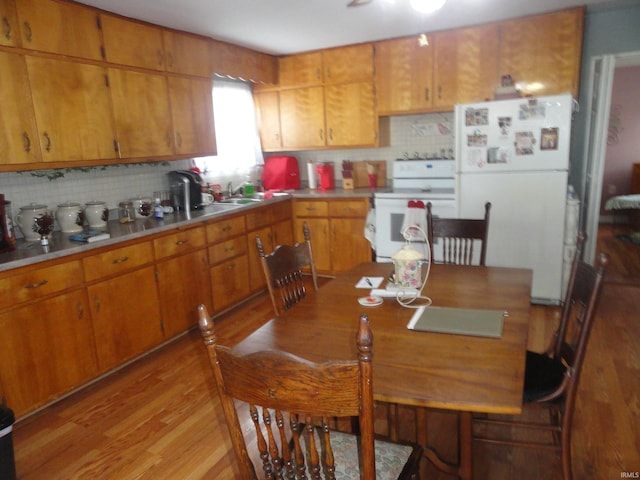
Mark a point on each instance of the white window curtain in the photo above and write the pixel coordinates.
(237, 136)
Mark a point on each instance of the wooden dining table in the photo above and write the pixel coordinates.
(453, 372)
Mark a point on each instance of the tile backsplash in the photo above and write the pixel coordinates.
(410, 134)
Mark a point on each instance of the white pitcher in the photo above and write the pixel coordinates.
(25, 220)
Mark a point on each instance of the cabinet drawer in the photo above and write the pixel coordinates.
(116, 261)
(282, 211)
(181, 241)
(259, 218)
(228, 249)
(348, 208)
(310, 209)
(32, 284)
(224, 229)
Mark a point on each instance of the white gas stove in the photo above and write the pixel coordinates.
(414, 179)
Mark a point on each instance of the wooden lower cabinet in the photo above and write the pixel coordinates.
(46, 350)
(126, 316)
(230, 282)
(183, 284)
(337, 232)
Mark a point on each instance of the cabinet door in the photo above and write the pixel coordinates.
(542, 53)
(320, 241)
(143, 116)
(348, 245)
(60, 27)
(127, 42)
(268, 115)
(46, 350)
(73, 110)
(230, 282)
(302, 117)
(350, 114)
(300, 69)
(187, 54)
(126, 316)
(183, 284)
(18, 134)
(466, 65)
(283, 233)
(192, 112)
(403, 76)
(353, 63)
(9, 24)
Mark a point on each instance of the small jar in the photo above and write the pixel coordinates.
(142, 205)
(7, 228)
(126, 212)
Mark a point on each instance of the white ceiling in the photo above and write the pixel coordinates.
(292, 26)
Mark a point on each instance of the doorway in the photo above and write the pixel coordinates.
(601, 79)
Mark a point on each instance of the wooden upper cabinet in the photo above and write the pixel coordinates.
(9, 34)
(192, 113)
(72, 109)
(302, 117)
(404, 79)
(19, 142)
(57, 27)
(128, 42)
(350, 114)
(142, 112)
(466, 65)
(301, 69)
(542, 53)
(268, 112)
(348, 64)
(187, 54)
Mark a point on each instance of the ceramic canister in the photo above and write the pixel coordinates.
(97, 214)
(70, 217)
(25, 220)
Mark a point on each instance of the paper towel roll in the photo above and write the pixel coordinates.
(311, 175)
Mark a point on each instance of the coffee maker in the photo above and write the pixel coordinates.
(186, 190)
(326, 176)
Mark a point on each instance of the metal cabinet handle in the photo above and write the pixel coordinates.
(160, 57)
(226, 228)
(439, 92)
(321, 134)
(120, 260)
(182, 242)
(179, 139)
(7, 28)
(426, 94)
(27, 142)
(229, 249)
(39, 284)
(96, 303)
(80, 310)
(28, 34)
(231, 266)
(47, 143)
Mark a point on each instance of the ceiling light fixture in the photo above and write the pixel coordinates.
(426, 6)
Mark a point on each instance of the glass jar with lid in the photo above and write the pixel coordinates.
(126, 212)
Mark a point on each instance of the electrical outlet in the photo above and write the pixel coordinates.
(611, 188)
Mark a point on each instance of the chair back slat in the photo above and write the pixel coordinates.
(458, 236)
(285, 269)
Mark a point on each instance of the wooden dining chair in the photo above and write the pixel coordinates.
(458, 236)
(285, 270)
(290, 402)
(551, 378)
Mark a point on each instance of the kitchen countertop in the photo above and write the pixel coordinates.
(29, 253)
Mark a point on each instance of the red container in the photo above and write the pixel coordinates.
(281, 172)
(326, 176)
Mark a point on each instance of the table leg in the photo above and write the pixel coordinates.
(465, 447)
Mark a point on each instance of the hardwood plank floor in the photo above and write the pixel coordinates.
(159, 418)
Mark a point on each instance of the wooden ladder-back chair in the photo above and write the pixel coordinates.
(551, 378)
(284, 270)
(458, 236)
(290, 401)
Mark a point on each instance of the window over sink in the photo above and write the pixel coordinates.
(237, 136)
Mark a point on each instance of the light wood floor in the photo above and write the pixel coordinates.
(160, 418)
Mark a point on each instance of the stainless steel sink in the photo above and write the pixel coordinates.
(239, 201)
(221, 207)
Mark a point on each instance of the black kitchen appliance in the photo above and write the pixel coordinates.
(186, 190)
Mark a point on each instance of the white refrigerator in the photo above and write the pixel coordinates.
(515, 154)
